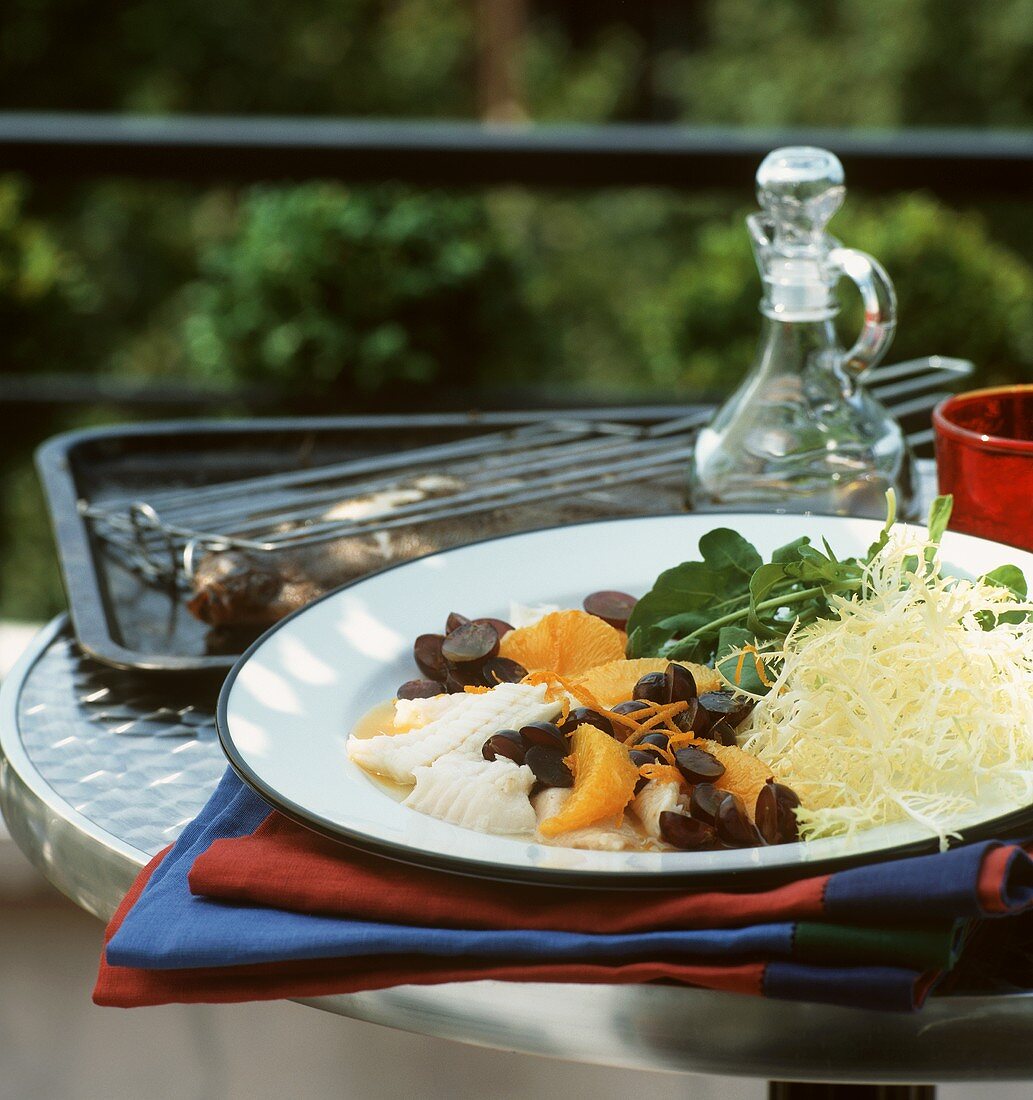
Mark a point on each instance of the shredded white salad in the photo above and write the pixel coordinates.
(904, 707)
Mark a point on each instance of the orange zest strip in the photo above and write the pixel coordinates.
(582, 695)
(651, 716)
(661, 714)
(758, 663)
(739, 665)
(556, 688)
(658, 717)
(475, 689)
(665, 754)
(662, 772)
(680, 740)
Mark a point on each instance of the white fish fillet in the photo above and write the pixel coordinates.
(411, 714)
(655, 798)
(607, 836)
(508, 706)
(490, 796)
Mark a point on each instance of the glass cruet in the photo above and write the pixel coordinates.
(802, 433)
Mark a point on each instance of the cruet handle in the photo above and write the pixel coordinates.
(880, 307)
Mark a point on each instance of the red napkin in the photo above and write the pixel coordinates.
(288, 866)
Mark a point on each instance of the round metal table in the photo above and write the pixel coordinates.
(102, 768)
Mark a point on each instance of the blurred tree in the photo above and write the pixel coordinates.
(865, 63)
(43, 287)
(351, 57)
(328, 289)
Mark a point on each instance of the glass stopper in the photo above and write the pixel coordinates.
(800, 188)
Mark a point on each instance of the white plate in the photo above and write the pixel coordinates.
(288, 705)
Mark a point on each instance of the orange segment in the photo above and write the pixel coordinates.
(566, 642)
(604, 782)
(613, 683)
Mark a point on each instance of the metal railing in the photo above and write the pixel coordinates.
(947, 162)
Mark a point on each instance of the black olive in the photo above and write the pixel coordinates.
(581, 716)
(420, 689)
(680, 684)
(697, 765)
(455, 621)
(722, 731)
(458, 678)
(629, 707)
(500, 626)
(546, 734)
(612, 607)
(470, 644)
(548, 766)
(723, 704)
(765, 815)
(652, 688)
(686, 832)
(426, 652)
(787, 801)
(704, 802)
(685, 720)
(501, 670)
(734, 827)
(507, 743)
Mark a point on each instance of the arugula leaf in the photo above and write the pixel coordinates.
(766, 579)
(726, 550)
(647, 641)
(884, 535)
(939, 516)
(685, 612)
(790, 552)
(1010, 577)
(762, 587)
(707, 610)
(696, 649)
(1013, 579)
(722, 579)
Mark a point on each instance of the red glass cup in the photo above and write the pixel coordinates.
(984, 457)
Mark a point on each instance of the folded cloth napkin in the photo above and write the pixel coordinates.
(246, 905)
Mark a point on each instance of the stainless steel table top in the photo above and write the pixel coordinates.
(102, 768)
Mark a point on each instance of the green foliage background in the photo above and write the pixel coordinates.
(389, 296)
